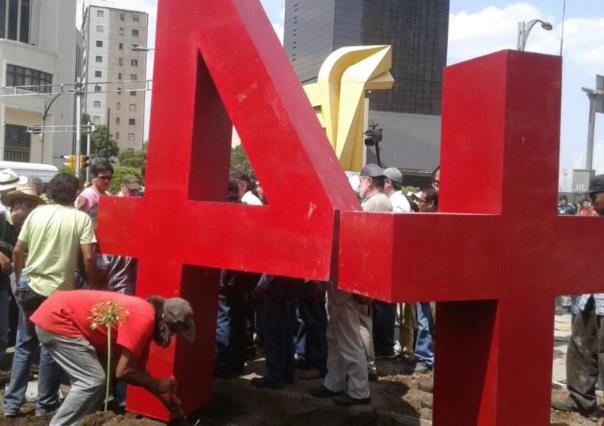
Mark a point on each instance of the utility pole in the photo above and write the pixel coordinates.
(78, 93)
(596, 105)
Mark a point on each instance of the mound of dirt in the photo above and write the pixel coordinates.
(107, 418)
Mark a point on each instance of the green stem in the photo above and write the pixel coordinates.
(108, 366)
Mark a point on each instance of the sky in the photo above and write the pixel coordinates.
(478, 27)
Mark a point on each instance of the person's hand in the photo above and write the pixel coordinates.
(173, 404)
(5, 264)
(166, 386)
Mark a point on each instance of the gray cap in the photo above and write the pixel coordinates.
(372, 170)
(596, 184)
(178, 313)
(394, 175)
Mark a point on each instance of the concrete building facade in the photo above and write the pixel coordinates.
(37, 50)
(110, 66)
(409, 114)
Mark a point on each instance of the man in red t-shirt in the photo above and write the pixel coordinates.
(69, 327)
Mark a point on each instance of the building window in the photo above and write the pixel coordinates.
(96, 104)
(122, 17)
(132, 107)
(133, 93)
(17, 143)
(134, 62)
(100, 29)
(134, 33)
(99, 43)
(133, 77)
(99, 59)
(121, 46)
(18, 20)
(117, 120)
(96, 119)
(135, 18)
(34, 80)
(98, 73)
(117, 136)
(121, 31)
(120, 61)
(100, 13)
(132, 122)
(118, 106)
(97, 88)
(119, 75)
(131, 137)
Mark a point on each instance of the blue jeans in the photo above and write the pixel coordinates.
(424, 346)
(4, 317)
(279, 327)
(50, 372)
(311, 341)
(384, 319)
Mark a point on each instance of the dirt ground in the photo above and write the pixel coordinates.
(396, 400)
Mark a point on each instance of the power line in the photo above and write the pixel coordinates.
(122, 86)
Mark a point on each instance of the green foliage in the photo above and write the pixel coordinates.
(132, 158)
(103, 146)
(118, 175)
(240, 162)
(65, 169)
(410, 189)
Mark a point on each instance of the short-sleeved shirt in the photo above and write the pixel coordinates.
(92, 198)
(377, 202)
(399, 202)
(67, 313)
(53, 234)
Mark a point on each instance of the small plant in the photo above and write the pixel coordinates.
(109, 315)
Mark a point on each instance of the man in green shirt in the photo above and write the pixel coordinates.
(52, 236)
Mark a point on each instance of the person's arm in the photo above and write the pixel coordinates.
(5, 264)
(127, 369)
(80, 203)
(19, 261)
(90, 266)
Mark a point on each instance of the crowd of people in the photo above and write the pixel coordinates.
(306, 329)
(69, 296)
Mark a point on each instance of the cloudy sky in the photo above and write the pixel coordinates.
(478, 27)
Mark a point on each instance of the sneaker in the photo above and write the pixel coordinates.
(11, 414)
(418, 368)
(564, 405)
(323, 392)
(347, 401)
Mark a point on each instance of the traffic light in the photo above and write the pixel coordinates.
(71, 162)
(85, 161)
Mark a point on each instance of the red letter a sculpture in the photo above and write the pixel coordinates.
(219, 62)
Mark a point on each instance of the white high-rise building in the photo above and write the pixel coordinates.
(38, 47)
(110, 65)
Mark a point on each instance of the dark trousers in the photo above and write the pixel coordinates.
(311, 338)
(585, 359)
(384, 319)
(279, 319)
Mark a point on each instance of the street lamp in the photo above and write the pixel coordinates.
(137, 48)
(524, 29)
(596, 105)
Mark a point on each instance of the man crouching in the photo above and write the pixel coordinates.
(64, 327)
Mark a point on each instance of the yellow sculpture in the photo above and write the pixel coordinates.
(338, 97)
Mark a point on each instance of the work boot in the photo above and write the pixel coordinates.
(567, 405)
(347, 401)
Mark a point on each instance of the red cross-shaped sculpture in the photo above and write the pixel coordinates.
(497, 254)
(219, 62)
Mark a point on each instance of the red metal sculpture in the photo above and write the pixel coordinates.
(492, 257)
(219, 61)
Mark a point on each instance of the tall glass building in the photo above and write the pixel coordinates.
(418, 33)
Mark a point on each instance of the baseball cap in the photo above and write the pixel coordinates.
(131, 182)
(372, 170)
(178, 313)
(596, 184)
(394, 175)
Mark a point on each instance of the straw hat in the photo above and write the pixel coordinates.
(22, 192)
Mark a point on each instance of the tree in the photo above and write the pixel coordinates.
(132, 158)
(102, 145)
(119, 173)
(240, 162)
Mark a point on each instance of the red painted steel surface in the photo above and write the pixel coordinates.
(217, 61)
(497, 254)
(492, 257)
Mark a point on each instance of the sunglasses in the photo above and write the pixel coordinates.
(105, 178)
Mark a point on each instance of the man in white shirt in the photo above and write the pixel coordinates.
(392, 188)
(246, 186)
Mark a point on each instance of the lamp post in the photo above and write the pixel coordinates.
(596, 105)
(524, 29)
